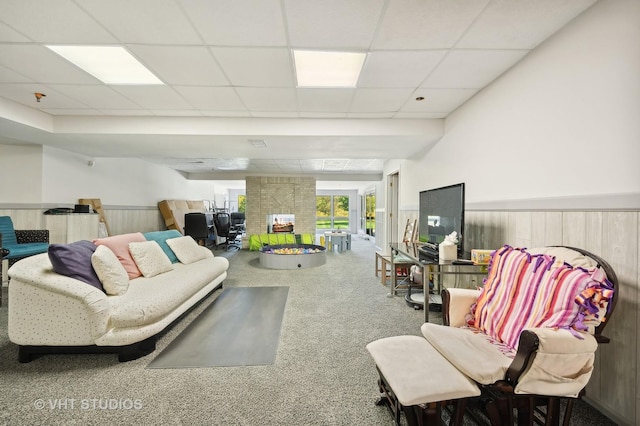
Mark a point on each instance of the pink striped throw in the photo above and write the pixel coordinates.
(527, 291)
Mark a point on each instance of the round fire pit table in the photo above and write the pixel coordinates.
(292, 256)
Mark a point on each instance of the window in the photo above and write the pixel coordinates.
(332, 212)
(242, 203)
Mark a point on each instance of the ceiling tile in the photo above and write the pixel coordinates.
(404, 114)
(324, 100)
(182, 112)
(304, 114)
(215, 113)
(125, 112)
(23, 93)
(41, 64)
(268, 99)
(144, 21)
(520, 24)
(379, 100)
(332, 24)
(95, 96)
(311, 165)
(371, 114)
(275, 114)
(71, 111)
(472, 69)
(384, 69)
(262, 67)
(212, 98)
(8, 34)
(10, 76)
(237, 22)
(188, 65)
(154, 97)
(334, 165)
(34, 19)
(438, 100)
(426, 24)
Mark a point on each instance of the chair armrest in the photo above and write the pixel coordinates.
(24, 236)
(552, 362)
(456, 303)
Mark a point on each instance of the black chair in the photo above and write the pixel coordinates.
(237, 222)
(195, 226)
(224, 229)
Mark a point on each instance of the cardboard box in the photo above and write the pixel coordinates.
(481, 257)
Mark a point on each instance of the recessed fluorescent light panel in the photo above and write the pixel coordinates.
(327, 69)
(110, 64)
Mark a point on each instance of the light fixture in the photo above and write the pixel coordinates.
(327, 69)
(110, 64)
(39, 96)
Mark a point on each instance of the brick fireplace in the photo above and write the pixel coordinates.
(280, 195)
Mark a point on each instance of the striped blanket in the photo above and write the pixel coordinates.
(523, 290)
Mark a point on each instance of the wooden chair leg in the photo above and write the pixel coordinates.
(553, 412)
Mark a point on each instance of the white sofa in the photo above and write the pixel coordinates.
(50, 312)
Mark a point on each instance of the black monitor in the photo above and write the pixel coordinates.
(441, 213)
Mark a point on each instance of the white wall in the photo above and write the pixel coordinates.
(49, 176)
(563, 122)
(21, 174)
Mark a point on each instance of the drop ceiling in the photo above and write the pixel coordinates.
(229, 80)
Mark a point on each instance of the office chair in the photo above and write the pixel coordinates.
(195, 225)
(224, 229)
(237, 222)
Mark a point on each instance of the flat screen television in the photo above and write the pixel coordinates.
(441, 213)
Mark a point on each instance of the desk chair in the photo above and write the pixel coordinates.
(224, 229)
(195, 225)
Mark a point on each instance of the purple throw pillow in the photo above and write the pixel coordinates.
(74, 260)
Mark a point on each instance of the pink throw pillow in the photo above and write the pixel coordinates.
(119, 245)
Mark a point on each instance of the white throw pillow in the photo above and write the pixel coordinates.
(112, 275)
(187, 250)
(150, 258)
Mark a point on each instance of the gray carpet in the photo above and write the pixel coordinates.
(322, 375)
(240, 328)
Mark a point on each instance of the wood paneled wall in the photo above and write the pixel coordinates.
(121, 221)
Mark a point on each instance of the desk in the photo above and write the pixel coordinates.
(411, 252)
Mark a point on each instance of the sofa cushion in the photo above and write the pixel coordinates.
(187, 250)
(161, 238)
(112, 274)
(74, 260)
(523, 290)
(150, 299)
(119, 245)
(150, 258)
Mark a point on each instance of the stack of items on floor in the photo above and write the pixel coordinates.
(117, 292)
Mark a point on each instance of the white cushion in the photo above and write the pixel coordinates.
(148, 300)
(469, 352)
(417, 373)
(187, 250)
(150, 258)
(113, 276)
